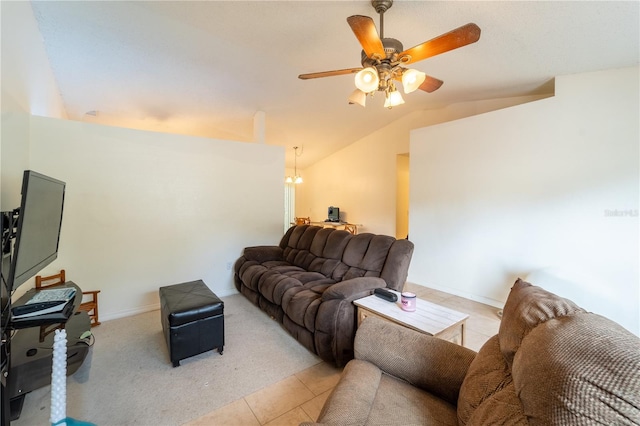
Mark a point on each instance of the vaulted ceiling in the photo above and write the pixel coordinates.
(206, 68)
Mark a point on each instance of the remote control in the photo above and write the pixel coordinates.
(385, 294)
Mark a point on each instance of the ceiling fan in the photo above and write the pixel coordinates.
(383, 58)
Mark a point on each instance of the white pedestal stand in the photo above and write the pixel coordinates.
(59, 378)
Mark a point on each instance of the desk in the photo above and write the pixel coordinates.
(350, 227)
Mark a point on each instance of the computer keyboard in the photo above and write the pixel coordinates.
(47, 301)
(53, 295)
(38, 308)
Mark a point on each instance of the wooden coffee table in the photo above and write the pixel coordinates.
(428, 318)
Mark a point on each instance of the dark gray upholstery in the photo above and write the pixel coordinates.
(310, 280)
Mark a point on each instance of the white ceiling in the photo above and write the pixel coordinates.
(205, 68)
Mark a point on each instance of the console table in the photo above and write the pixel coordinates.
(351, 227)
(428, 318)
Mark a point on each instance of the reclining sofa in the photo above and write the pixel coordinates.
(309, 282)
(551, 363)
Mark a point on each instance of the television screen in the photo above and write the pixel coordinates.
(38, 229)
(334, 214)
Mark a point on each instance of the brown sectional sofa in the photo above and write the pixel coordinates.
(551, 363)
(309, 281)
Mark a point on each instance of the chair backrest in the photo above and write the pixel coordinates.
(51, 280)
(302, 220)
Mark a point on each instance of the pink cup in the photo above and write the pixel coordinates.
(408, 301)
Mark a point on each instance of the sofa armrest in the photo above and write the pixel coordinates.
(427, 362)
(262, 254)
(353, 289)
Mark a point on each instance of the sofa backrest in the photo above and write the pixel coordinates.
(341, 256)
(553, 363)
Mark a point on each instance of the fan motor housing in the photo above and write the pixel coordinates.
(391, 47)
(381, 6)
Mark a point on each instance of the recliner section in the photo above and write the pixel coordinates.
(309, 281)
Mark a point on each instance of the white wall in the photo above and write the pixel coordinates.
(27, 87)
(144, 210)
(28, 84)
(361, 178)
(536, 186)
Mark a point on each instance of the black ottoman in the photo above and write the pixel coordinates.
(192, 320)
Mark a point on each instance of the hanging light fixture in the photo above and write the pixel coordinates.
(412, 79)
(295, 179)
(380, 73)
(367, 79)
(358, 97)
(393, 99)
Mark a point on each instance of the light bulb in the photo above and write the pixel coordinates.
(393, 99)
(367, 79)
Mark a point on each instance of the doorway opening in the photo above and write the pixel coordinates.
(402, 196)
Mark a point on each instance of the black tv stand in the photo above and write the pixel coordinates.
(32, 351)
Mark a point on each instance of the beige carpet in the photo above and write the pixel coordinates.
(129, 379)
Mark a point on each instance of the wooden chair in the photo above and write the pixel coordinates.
(91, 304)
(351, 228)
(302, 220)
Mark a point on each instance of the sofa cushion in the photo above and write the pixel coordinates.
(274, 285)
(365, 396)
(297, 249)
(580, 369)
(365, 255)
(528, 306)
(487, 395)
(427, 362)
(568, 366)
(302, 308)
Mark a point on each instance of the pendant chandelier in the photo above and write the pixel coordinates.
(295, 178)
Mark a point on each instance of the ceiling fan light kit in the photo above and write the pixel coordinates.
(383, 58)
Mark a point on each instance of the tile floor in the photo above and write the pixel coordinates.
(300, 398)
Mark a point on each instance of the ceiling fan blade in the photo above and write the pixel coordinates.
(430, 84)
(366, 33)
(329, 73)
(454, 39)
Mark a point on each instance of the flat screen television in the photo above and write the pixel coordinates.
(334, 214)
(38, 228)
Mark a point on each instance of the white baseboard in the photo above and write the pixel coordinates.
(130, 312)
(466, 295)
(156, 306)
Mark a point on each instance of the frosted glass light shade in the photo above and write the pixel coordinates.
(358, 97)
(367, 79)
(298, 179)
(393, 99)
(288, 179)
(412, 79)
